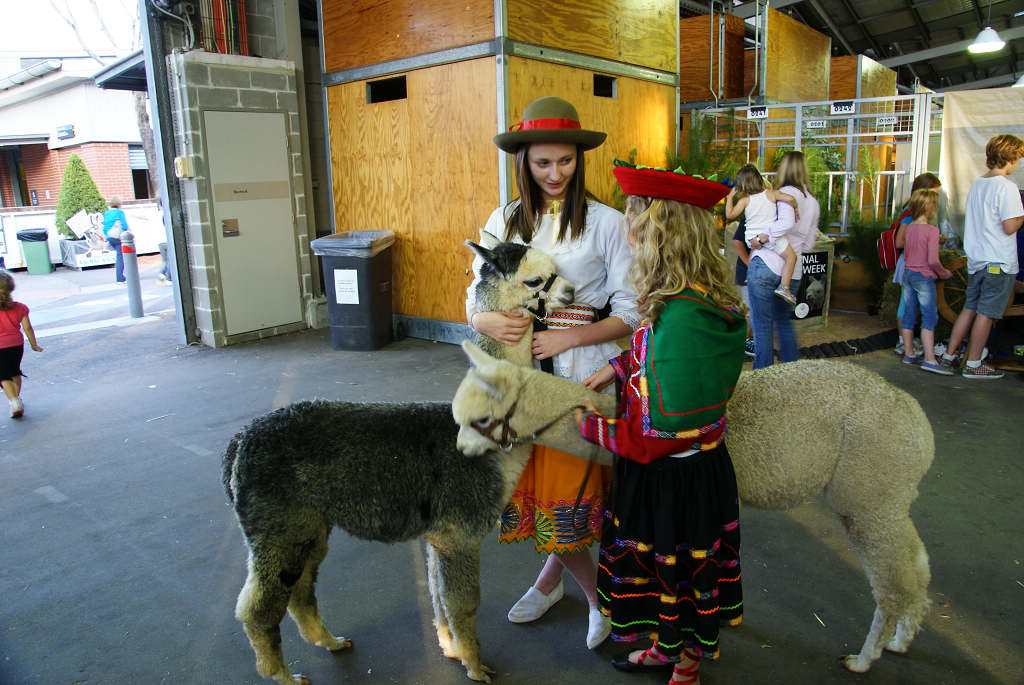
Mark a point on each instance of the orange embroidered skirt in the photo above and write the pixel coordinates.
(542, 503)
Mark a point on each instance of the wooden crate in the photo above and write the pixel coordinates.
(641, 32)
(859, 76)
(424, 167)
(641, 116)
(696, 59)
(360, 33)
(797, 61)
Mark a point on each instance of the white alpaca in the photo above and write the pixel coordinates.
(514, 277)
(795, 430)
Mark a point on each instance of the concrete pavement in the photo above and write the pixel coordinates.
(121, 560)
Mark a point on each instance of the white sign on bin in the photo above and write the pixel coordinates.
(757, 113)
(887, 121)
(815, 123)
(346, 286)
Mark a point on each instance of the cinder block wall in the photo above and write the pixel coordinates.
(201, 80)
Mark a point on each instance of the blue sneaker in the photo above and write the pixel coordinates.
(748, 347)
(916, 359)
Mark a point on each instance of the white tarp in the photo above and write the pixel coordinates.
(969, 119)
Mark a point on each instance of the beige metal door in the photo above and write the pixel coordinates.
(253, 221)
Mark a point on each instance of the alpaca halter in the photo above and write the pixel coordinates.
(509, 437)
(541, 312)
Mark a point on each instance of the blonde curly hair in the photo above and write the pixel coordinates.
(675, 246)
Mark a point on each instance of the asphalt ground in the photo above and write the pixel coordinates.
(120, 560)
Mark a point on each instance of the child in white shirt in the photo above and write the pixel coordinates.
(756, 200)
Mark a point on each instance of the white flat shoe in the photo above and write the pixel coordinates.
(599, 629)
(534, 604)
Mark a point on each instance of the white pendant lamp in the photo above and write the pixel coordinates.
(988, 40)
(1020, 82)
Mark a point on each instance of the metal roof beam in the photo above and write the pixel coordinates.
(748, 9)
(940, 50)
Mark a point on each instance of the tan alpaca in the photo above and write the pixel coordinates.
(795, 430)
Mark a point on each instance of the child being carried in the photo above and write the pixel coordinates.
(756, 200)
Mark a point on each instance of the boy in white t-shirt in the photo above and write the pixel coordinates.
(992, 215)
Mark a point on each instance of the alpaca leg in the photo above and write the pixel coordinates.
(912, 619)
(444, 634)
(459, 589)
(261, 606)
(303, 606)
(896, 564)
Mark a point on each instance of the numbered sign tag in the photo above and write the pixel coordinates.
(843, 107)
(757, 113)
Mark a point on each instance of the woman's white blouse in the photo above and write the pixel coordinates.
(597, 264)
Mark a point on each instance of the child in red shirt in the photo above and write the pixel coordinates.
(13, 318)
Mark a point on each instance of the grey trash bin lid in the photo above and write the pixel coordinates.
(32, 235)
(353, 243)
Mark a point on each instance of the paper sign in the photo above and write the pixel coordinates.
(815, 123)
(843, 107)
(887, 121)
(346, 286)
(757, 113)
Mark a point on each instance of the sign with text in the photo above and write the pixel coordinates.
(888, 121)
(843, 107)
(810, 298)
(816, 123)
(757, 113)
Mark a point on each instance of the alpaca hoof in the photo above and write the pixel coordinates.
(480, 675)
(854, 663)
(336, 644)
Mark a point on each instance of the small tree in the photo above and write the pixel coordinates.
(77, 191)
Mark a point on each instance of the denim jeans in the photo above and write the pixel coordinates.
(919, 296)
(769, 314)
(115, 244)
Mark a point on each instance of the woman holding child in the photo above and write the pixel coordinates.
(769, 313)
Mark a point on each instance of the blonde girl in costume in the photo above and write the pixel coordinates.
(13, 320)
(588, 243)
(669, 568)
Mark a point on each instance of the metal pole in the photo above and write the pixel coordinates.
(131, 274)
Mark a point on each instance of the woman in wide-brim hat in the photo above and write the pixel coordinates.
(586, 238)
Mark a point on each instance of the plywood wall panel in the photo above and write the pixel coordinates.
(797, 61)
(843, 75)
(642, 116)
(641, 32)
(358, 33)
(424, 167)
(696, 58)
(876, 81)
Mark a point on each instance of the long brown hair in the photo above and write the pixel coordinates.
(675, 246)
(749, 181)
(792, 171)
(522, 222)
(6, 288)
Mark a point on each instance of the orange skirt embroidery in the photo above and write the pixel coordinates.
(542, 503)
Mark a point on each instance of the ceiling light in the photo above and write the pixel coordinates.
(1020, 82)
(987, 41)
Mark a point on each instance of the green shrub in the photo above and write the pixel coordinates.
(861, 243)
(77, 192)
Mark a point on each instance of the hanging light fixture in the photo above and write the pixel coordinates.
(1020, 82)
(988, 40)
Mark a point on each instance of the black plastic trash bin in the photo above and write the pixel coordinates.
(357, 277)
(36, 250)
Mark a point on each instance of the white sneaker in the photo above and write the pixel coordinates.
(534, 604)
(17, 408)
(600, 626)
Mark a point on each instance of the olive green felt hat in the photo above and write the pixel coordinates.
(548, 120)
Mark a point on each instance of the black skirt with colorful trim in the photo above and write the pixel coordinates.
(669, 569)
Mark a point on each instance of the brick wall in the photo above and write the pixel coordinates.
(5, 183)
(107, 164)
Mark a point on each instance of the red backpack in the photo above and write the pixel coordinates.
(887, 251)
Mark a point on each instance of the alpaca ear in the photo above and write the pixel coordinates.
(488, 239)
(477, 357)
(488, 257)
